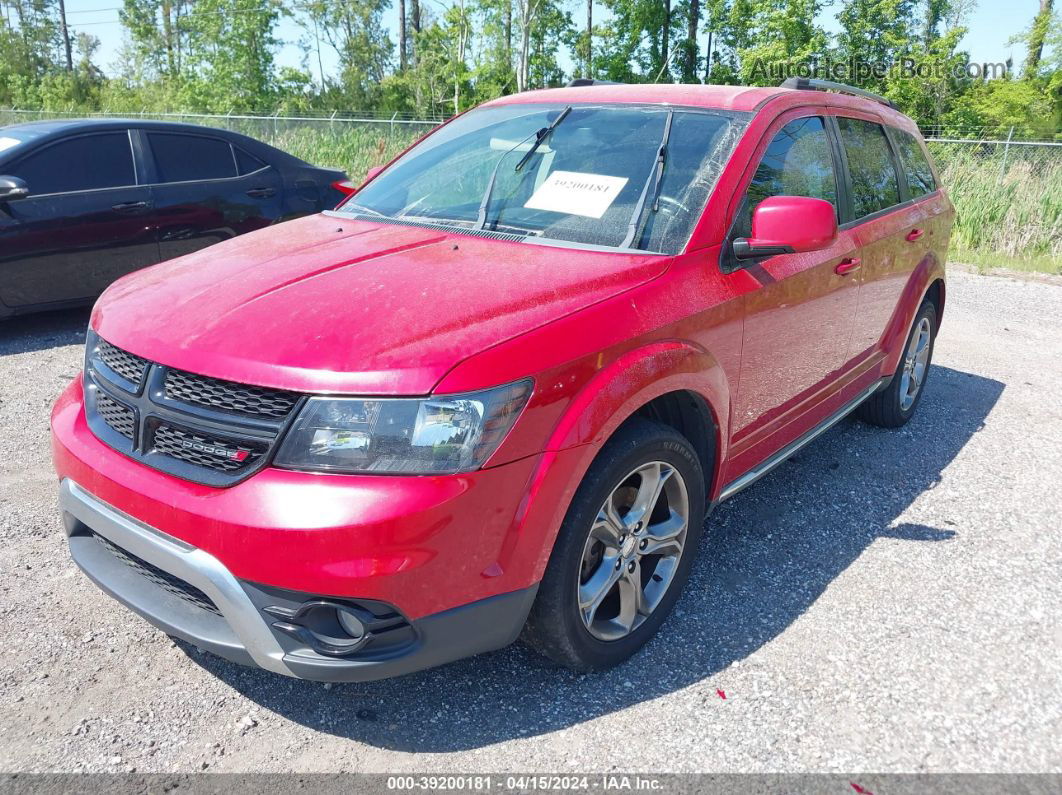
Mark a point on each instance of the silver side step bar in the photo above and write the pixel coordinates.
(786, 452)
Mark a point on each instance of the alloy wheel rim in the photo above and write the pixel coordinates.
(915, 364)
(632, 552)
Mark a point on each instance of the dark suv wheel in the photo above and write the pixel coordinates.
(624, 551)
(894, 404)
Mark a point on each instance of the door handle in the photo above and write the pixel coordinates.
(261, 193)
(848, 265)
(914, 234)
(129, 207)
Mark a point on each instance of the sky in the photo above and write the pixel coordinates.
(991, 25)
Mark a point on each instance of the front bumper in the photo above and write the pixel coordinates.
(190, 594)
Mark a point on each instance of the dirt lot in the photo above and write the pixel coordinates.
(886, 601)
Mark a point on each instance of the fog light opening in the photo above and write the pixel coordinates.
(350, 623)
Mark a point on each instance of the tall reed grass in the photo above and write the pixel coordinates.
(1008, 213)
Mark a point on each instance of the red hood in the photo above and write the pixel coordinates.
(331, 304)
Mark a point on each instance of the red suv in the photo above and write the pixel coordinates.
(500, 388)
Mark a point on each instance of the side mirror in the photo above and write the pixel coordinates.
(372, 172)
(12, 188)
(787, 225)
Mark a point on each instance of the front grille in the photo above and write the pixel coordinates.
(253, 401)
(202, 429)
(125, 364)
(168, 582)
(204, 451)
(121, 418)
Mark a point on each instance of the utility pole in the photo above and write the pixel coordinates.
(66, 36)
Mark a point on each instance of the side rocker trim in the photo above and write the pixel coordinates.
(786, 452)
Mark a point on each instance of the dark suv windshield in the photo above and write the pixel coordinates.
(582, 184)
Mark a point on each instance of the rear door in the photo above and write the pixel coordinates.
(797, 320)
(883, 216)
(83, 225)
(204, 190)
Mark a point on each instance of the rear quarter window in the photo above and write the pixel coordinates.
(875, 185)
(917, 171)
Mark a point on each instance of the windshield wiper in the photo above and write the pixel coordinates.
(654, 179)
(540, 136)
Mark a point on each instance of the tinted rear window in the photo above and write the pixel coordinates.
(88, 162)
(920, 180)
(874, 183)
(184, 158)
(247, 163)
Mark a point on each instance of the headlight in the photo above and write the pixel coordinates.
(447, 434)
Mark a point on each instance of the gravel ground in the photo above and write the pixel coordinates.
(886, 601)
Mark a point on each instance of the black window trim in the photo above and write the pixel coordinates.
(84, 134)
(150, 154)
(728, 263)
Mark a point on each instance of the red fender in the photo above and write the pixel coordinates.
(612, 396)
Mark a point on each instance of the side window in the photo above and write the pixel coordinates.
(247, 163)
(916, 167)
(874, 183)
(184, 158)
(88, 162)
(798, 162)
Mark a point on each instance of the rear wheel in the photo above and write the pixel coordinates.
(893, 405)
(624, 550)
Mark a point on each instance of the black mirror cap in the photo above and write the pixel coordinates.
(743, 250)
(13, 188)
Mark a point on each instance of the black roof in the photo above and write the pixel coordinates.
(38, 132)
(51, 126)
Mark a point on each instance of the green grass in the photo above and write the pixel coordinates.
(1006, 214)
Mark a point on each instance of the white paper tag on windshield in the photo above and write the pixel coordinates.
(575, 193)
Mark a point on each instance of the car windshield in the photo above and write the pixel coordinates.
(620, 176)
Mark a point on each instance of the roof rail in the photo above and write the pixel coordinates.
(811, 84)
(578, 82)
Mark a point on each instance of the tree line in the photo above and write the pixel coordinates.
(220, 55)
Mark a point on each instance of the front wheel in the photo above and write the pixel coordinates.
(894, 404)
(624, 550)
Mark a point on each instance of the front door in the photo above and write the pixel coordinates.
(798, 320)
(83, 225)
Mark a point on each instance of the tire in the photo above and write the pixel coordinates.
(893, 405)
(622, 474)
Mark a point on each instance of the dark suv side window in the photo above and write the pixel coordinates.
(186, 158)
(874, 183)
(920, 180)
(798, 162)
(87, 162)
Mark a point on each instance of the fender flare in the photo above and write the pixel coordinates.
(604, 403)
(929, 271)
